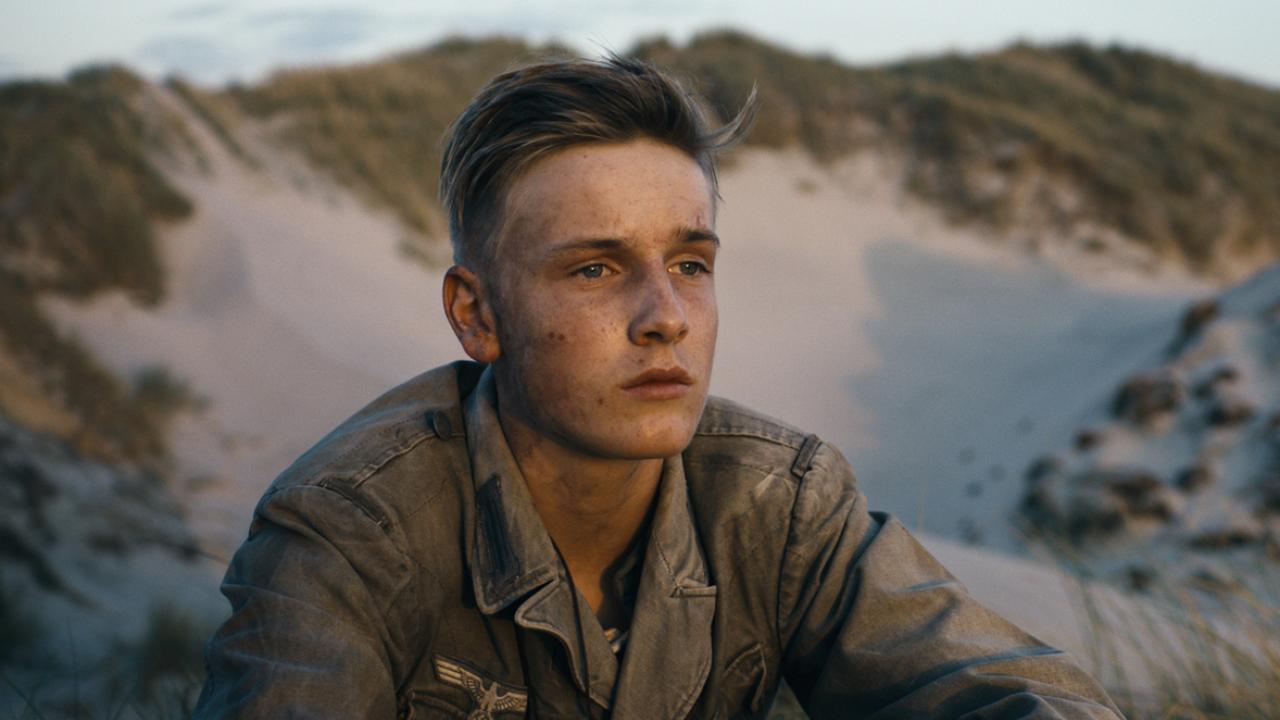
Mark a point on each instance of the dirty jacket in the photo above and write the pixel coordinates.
(399, 567)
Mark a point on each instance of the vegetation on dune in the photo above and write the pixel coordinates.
(167, 667)
(1029, 139)
(79, 196)
(158, 675)
(217, 112)
(161, 395)
(1036, 139)
(1172, 157)
(378, 127)
(1183, 652)
(19, 629)
(78, 192)
(110, 423)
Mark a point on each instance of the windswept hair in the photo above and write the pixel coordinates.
(525, 114)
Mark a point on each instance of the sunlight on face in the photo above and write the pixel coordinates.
(606, 309)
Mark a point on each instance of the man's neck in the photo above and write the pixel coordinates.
(592, 507)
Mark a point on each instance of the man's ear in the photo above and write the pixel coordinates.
(470, 313)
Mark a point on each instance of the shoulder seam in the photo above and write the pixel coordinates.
(353, 496)
(335, 486)
(739, 432)
(359, 476)
(347, 485)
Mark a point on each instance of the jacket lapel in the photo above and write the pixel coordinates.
(511, 554)
(668, 653)
(508, 548)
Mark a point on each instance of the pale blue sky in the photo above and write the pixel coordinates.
(219, 40)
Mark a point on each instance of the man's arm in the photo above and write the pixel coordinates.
(311, 592)
(873, 626)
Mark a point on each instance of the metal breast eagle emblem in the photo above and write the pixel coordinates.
(488, 697)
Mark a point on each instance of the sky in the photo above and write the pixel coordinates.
(217, 41)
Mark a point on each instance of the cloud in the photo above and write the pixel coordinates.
(317, 33)
(201, 11)
(193, 56)
(668, 9)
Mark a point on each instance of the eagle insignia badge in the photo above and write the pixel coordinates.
(488, 697)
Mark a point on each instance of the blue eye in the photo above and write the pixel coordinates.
(591, 271)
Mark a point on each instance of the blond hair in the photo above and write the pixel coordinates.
(527, 113)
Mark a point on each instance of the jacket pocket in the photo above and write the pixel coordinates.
(742, 685)
(419, 705)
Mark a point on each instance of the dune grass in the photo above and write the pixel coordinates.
(79, 192)
(167, 666)
(19, 628)
(218, 113)
(157, 676)
(1176, 648)
(1208, 660)
(1032, 139)
(1173, 157)
(109, 424)
(1028, 139)
(80, 195)
(377, 127)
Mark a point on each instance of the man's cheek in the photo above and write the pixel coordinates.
(569, 405)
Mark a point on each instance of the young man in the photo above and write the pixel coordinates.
(569, 526)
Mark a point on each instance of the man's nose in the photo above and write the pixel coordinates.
(661, 316)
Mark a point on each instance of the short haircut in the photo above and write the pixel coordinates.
(526, 114)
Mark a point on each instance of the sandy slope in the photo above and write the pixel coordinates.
(940, 362)
(289, 307)
(930, 356)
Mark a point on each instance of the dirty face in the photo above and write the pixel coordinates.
(604, 299)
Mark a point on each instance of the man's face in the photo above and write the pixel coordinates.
(604, 300)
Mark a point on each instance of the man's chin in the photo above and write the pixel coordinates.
(659, 435)
(642, 446)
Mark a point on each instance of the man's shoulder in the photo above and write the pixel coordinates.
(399, 421)
(725, 419)
(736, 450)
(733, 433)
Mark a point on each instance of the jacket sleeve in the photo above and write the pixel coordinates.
(313, 593)
(874, 627)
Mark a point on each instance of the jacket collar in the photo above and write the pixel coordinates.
(511, 556)
(668, 654)
(511, 553)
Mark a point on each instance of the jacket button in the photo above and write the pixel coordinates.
(439, 421)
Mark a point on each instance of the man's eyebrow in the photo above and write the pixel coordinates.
(686, 235)
(691, 234)
(585, 244)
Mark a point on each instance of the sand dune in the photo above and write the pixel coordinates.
(930, 355)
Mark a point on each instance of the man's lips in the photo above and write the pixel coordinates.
(659, 384)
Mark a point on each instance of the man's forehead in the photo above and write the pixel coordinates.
(618, 190)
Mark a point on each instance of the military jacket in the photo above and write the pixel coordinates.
(399, 568)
